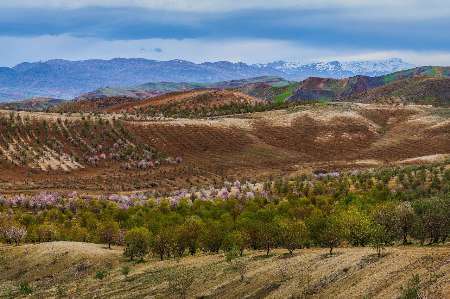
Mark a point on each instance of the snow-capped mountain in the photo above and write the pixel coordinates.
(376, 67)
(67, 79)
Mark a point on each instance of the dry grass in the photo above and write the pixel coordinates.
(69, 267)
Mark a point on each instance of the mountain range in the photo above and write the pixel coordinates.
(68, 79)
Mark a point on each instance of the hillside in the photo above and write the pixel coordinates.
(94, 105)
(190, 102)
(68, 79)
(350, 88)
(58, 269)
(420, 90)
(38, 151)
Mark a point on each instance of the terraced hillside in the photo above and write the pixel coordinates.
(57, 269)
(57, 151)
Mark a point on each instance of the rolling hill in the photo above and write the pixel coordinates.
(420, 90)
(207, 101)
(68, 79)
(151, 89)
(403, 83)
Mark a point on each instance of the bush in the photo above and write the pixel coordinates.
(25, 288)
(125, 270)
(101, 274)
(412, 289)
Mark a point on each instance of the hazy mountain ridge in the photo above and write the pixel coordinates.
(67, 79)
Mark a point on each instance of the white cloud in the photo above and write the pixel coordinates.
(19, 49)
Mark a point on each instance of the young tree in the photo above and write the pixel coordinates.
(212, 237)
(384, 214)
(188, 235)
(356, 226)
(163, 242)
(137, 243)
(293, 234)
(46, 232)
(236, 240)
(14, 234)
(378, 238)
(326, 230)
(109, 232)
(405, 216)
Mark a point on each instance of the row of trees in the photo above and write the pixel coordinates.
(364, 209)
(233, 225)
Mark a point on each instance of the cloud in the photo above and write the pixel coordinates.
(396, 9)
(319, 27)
(42, 48)
(333, 28)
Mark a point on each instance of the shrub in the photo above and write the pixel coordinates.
(25, 288)
(412, 289)
(125, 270)
(101, 274)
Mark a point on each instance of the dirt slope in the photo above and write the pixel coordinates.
(70, 268)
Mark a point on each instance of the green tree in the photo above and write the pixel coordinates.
(163, 242)
(356, 226)
(293, 234)
(109, 232)
(325, 230)
(236, 240)
(137, 243)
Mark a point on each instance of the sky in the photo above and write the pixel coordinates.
(252, 31)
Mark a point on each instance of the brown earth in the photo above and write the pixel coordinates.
(68, 269)
(255, 146)
(188, 100)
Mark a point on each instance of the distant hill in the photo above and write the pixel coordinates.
(420, 90)
(423, 84)
(91, 105)
(151, 89)
(33, 104)
(68, 79)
